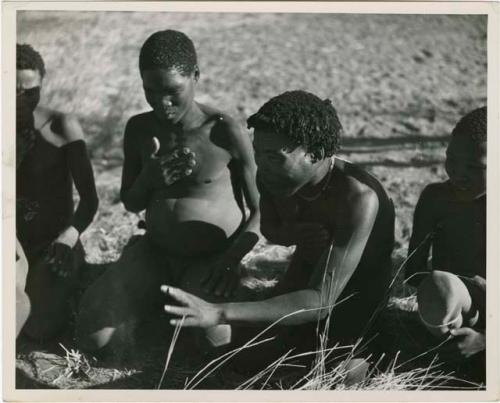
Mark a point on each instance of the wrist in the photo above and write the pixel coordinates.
(69, 236)
(221, 310)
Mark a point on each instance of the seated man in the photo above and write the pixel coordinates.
(189, 166)
(51, 156)
(338, 216)
(450, 217)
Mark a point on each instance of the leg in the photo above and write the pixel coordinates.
(50, 297)
(124, 294)
(23, 306)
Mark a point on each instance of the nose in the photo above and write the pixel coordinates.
(166, 102)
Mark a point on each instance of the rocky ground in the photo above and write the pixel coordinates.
(399, 83)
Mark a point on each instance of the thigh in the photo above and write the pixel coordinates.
(49, 293)
(128, 290)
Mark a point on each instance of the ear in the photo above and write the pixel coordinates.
(196, 73)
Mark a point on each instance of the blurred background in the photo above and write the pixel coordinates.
(398, 82)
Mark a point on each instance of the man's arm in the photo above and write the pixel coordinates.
(271, 226)
(297, 307)
(135, 191)
(423, 225)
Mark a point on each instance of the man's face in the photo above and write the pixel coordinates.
(283, 167)
(169, 92)
(28, 85)
(466, 167)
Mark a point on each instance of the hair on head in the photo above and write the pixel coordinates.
(168, 49)
(28, 58)
(473, 125)
(305, 119)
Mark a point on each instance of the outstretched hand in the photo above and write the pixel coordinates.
(169, 168)
(196, 312)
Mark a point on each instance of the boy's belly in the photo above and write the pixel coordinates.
(193, 226)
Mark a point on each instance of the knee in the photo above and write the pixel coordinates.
(88, 340)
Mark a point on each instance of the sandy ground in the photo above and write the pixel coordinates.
(399, 84)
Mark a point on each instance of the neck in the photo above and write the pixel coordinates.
(189, 120)
(319, 175)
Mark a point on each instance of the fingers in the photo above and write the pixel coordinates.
(187, 322)
(233, 285)
(463, 331)
(214, 280)
(155, 146)
(176, 293)
(177, 310)
(224, 285)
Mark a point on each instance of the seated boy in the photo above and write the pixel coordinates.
(338, 216)
(187, 165)
(51, 156)
(452, 215)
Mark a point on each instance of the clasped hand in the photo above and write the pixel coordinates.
(60, 253)
(166, 169)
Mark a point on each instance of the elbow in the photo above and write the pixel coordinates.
(130, 206)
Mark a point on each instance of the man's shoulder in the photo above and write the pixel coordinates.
(360, 183)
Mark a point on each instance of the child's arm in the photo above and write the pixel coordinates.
(224, 277)
(297, 307)
(136, 187)
(423, 225)
(82, 173)
(83, 178)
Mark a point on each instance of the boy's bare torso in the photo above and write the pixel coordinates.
(198, 214)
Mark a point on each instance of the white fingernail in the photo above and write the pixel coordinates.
(164, 288)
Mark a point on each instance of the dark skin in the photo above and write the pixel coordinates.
(57, 130)
(286, 179)
(456, 207)
(185, 164)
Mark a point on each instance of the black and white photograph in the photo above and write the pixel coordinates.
(251, 201)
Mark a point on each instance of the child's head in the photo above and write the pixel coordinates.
(466, 155)
(169, 71)
(443, 301)
(294, 133)
(30, 71)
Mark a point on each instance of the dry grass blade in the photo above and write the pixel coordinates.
(175, 336)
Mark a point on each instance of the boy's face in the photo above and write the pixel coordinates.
(283, 167)
(466, 167)
(28, 85)
(169, 92)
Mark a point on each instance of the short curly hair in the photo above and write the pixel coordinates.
(303, 118)
(166, 50)
(28, 58)
(473, 125)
